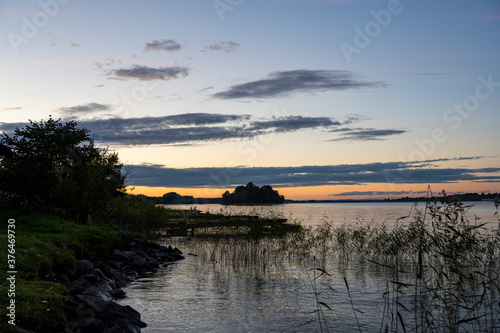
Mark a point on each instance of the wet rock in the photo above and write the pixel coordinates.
(117, 314)
(124, 328)
(119, 293)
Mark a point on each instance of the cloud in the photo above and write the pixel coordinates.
(227, 47)
(352, 174)
(293, 123)
(144, 73)
(84, 109)
(168, 45)
(194, 128)
(366, 134)
(377, 193)
(302, 80)
(12, 108)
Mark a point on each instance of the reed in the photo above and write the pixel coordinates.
(441, 269)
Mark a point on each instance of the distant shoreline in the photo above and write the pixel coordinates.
(464, 197)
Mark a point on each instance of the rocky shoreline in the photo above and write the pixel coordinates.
(96, 284)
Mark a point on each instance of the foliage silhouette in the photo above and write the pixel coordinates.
(251, 194)
(56, 168)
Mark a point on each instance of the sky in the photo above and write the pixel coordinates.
(321, 99)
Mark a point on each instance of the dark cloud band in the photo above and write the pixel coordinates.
(286, 82)
(354, 174)
(145, 73)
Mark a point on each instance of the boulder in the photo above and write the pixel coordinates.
(86, 325)
(84, 267)
(124, 237)
(117, 314)
(78, 286)
(124, 328)
(104, 286)
(114, 264)
(95, 291)
(93, 302)
(120, 256)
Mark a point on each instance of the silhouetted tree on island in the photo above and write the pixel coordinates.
(251, 194)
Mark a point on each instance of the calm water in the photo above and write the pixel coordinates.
(195, 295)
(312, 214)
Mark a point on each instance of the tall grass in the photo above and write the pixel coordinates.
(442, 271)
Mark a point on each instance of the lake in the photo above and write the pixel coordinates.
(226, 294)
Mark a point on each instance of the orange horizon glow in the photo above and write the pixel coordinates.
(330, 192)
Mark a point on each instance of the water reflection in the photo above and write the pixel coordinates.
(265, 289)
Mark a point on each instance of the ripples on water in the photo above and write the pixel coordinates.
(196, 295)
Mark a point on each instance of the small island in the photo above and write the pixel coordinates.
(251, 194)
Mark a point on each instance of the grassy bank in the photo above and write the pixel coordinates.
(46, 247)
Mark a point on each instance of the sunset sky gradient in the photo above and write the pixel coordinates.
(321, 99)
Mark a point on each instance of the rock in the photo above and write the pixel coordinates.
(129, 272)
(153, 263)
(99, 264)
(139, 262)
(86, 325)
(120, 256)
(84, 267)
(117, 276)
(100, 275)
(124, 237)
(140, 252)
(114, 264)
(78, 286)
(119, 293)
(18, 329)
(63, 278)
(116, 314)
(73, 307)
(97, 292)
(104, 286)
(93, 302)
(124, 328)
(92, 278)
